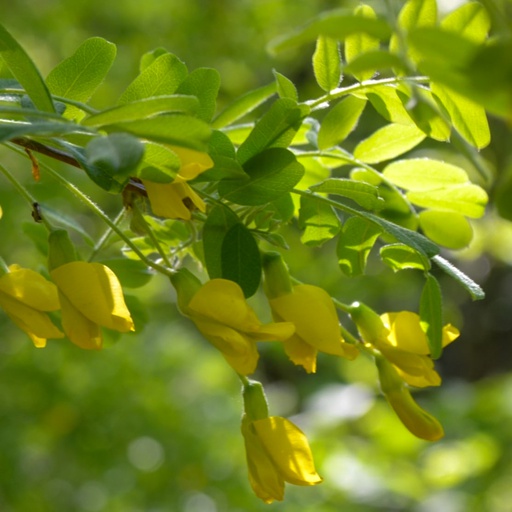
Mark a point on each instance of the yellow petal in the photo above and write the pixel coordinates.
(275, 331)
(223, 301)
(95, 291)
(406, 332)
(238, 350)
(80, 330)
(288, 448)
(301, 353)
(312, 311)
(264, 478)
(193, 162)
(173, 200)
(35, 323)
(31, 288)
(450, 333)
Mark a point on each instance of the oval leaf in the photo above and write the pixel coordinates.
(448, 229)
(327, 63)
(364, 194)
(400, 257)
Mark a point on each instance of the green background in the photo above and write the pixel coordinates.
(151, 423)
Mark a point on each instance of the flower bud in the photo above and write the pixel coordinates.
(61, 249)
(416, 420)
(369, 324)
(277, 278)
(255, 401)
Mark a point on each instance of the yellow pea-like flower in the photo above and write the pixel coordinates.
(26, 297)
(317, 328)
(220, 312)
(277, 451)
(400, 338)
(91, 297)
(176, 200)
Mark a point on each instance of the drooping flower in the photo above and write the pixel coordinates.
(90, 294)
(220, 312)
(91, 297)
(277, 451)
(418, 421)
(310, 309)
(175, 200)
(400, 338)
(26, 297)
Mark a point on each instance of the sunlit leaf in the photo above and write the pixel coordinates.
(285, 87)
(388, 142)
(25, 71)
(78, 76)
(448, 229)
(340, 121)
(318, 220)
(364, 194)
(327, 63)
(470, 20)
(400, 257)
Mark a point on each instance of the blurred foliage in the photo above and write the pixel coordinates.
(150, 424)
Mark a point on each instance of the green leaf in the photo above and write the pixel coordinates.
(276, 128)
(400, 257)
(355, 242)
(359, 44)
(468, 117)
(431, 315)
(340, 121)
(413, 15)
(337, 24)
(203, 83)
(131, 273)
(244, 105)
(396, 208)
(117, 155)
(142, 109)
(365, 65)
(174, 129)
(388, 142)
(241, 260)
(319, 222)
(149, 57)
(418, 174)
(364, 194)
(78, 76)
(285, 87)
(327, 63)
(161, 78)
(474, 290)
(220, 220)
(25, 71)
(470, 20)
(11, 130)
(448, 229)
(387, 102)
(469, 200)
(272, 173)
(415, 240)
(160, 164)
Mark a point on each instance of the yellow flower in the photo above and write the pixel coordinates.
(277, 451)
(91, 297)
(317, 327)
(224, 318)
(26, 296)
(418, 421)
(406, 347)
(176, 200)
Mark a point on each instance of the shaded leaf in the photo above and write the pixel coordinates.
(474, 289)
(431, 315)
(285, 87)
(318, 220)
(364, 194)
(25, 71)
(355, 243)
(400, 257)
(78, 76)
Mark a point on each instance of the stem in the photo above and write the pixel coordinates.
(103, 239)
(365, 84)
(149, 231)
(97, 211)
(24, 193)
